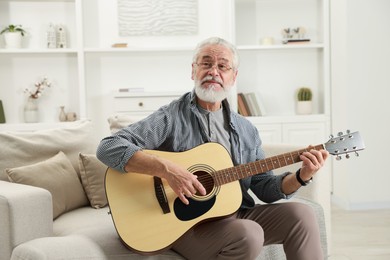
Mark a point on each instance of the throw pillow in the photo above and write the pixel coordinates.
(120, 121)
(56, 175)
(25, 148)
(93, 173)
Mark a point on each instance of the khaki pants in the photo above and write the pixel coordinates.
(243, 235)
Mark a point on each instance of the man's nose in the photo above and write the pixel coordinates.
(213, 70)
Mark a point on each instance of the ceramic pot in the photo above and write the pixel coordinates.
(13, 40)
(304, 107)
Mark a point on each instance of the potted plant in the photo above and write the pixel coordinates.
(13, 36)
(304, 104)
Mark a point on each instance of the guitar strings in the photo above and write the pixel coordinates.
(210, 178)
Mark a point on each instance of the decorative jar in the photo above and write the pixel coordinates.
(31, 111)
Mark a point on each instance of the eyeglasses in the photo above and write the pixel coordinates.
(208, 65)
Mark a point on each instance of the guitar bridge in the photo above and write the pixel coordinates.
(161, 195)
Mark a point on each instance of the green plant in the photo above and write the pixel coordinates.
(14, 28)
(304, 94)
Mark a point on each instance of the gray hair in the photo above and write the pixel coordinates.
(217, 41)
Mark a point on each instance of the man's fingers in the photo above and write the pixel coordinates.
(183, 198)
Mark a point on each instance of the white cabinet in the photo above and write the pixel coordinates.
(302, 130)
(270, 132)
(142, 103)
(312, 133)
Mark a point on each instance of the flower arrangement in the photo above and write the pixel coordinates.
(39, 88)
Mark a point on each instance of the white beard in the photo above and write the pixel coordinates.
(209, 94)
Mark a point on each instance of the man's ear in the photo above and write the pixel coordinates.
(235, 76)
(192, 72)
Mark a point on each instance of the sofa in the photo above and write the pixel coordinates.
(53, 204)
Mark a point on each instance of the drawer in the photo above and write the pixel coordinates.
(141, 104)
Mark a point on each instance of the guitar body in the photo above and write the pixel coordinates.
(138, 216)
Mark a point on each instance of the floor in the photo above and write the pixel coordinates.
(360, 235)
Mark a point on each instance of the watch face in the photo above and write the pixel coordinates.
(310, 181)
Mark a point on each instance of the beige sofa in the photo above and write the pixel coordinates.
(54, 174)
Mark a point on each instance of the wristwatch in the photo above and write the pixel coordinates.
(302, 182)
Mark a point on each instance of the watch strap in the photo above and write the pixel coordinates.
(302, 182)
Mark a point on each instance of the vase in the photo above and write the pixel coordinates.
(62, 116)
(31, 112)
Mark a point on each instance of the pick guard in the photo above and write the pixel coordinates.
(193, 210)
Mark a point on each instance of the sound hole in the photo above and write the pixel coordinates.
(205, 176)
(199, 204)
(207, 181)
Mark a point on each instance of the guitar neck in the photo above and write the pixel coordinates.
(246, 170)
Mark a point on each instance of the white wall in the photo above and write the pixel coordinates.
(360, 66)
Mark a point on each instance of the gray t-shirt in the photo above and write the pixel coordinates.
(216, 123)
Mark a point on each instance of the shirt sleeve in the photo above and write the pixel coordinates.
(268, 186)
(149, 133)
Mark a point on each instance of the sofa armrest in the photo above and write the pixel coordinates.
(26, 213)
(318, 191)
(321, 220)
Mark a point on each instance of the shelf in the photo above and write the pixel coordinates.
(137, 49)
(288, 119)
(281, 46)
(37, 51)
(147, 94)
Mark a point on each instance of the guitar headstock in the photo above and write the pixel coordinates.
(345, 144)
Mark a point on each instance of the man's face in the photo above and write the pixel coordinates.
(213, 73)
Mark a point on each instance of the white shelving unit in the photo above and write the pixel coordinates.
(89, 71)
(21, 68)
(277, 71)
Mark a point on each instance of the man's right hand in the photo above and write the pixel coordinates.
(182, 182)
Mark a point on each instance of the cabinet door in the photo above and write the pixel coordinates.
(270, 133)
(304, 133)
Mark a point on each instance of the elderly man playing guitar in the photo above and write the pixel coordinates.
(189, 194)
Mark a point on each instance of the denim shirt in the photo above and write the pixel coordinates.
(176, 127)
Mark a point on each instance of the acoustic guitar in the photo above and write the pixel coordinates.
(149, 217)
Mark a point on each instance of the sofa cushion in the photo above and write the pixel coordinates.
(56, 175)
(96, 226)
(92, 173)
(25, 148)
(119, 121)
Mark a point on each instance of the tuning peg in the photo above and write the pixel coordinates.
(338, 158)
(331, 136)
(347, 156)
(348, 131)
(340, 133)
(357, 154)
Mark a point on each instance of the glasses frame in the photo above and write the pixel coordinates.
(212, 65)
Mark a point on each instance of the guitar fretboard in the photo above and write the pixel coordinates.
(245, 170)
